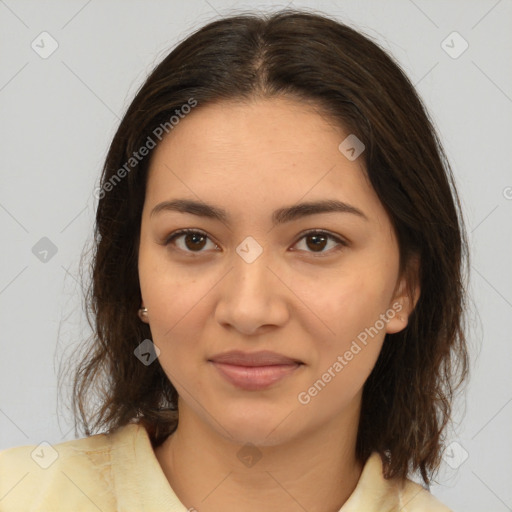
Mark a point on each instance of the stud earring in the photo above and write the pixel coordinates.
(143, 313)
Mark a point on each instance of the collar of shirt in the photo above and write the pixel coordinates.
(132, 448)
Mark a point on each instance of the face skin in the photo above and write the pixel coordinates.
(203, 298)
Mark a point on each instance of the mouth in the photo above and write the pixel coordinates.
(256, 370)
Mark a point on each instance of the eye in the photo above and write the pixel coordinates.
(193, 240)
(318, 240)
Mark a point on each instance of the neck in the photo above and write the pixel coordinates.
(317, 472)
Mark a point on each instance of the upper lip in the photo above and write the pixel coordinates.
(262, 358)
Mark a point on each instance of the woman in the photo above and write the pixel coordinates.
(278, 288)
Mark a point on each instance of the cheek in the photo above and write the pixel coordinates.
(177, 324)
(348, 304)
(173, 298)
(351, 307)
(176, 314)
(170, 291)
(346, 358)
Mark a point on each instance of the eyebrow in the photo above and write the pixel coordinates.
(280, 216)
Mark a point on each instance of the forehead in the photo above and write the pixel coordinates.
(266, 152)
(252, 129)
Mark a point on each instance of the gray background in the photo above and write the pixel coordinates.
(58, 115)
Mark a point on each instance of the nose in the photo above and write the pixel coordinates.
(253, 298)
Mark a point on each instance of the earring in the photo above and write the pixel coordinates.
(143, 313)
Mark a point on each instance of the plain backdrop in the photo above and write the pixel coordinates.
(58, 115)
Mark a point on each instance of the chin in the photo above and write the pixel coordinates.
(259, 426)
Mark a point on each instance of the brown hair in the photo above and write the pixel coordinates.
(311, 58)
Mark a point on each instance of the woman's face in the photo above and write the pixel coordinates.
(251, 280)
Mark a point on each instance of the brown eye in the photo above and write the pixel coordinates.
(317, 241)
(194, 241)
(189, 240)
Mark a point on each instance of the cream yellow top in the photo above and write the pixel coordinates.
(120, 473)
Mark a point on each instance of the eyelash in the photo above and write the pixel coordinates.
(342, 243)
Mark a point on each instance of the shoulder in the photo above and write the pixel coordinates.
(415, 498)
(65, 476)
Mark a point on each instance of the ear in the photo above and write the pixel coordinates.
(405, 297)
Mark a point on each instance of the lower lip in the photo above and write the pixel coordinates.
(254, 377)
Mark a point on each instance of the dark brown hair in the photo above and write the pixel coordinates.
(312, 59)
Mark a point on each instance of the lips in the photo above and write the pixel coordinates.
(262, 358)
(256, 370)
